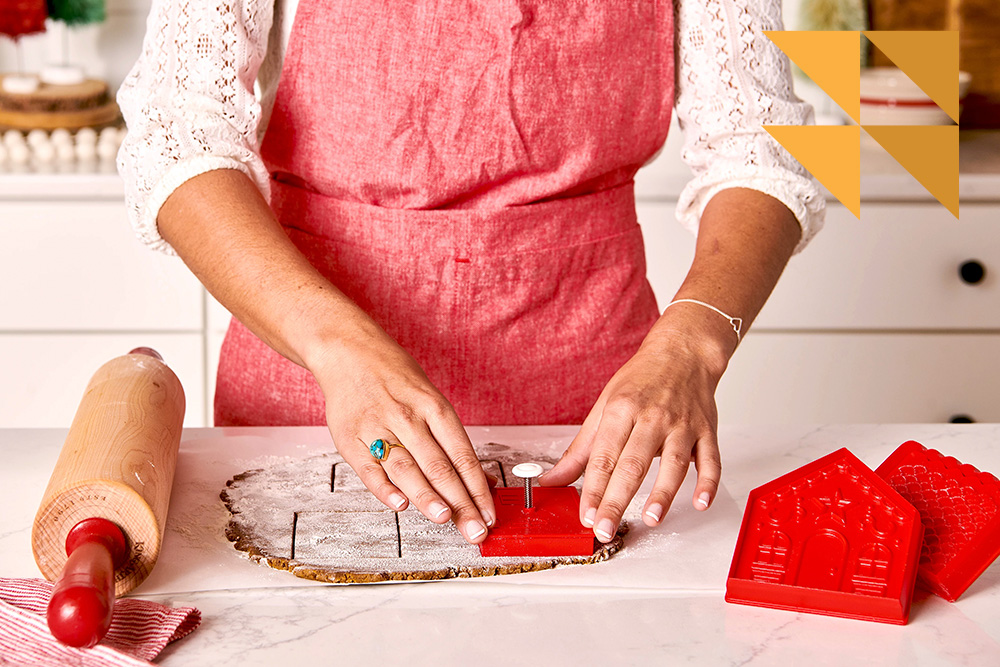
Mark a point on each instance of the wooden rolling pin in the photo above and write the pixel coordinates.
(98, 530)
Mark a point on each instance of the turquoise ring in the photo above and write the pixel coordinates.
(380, 449)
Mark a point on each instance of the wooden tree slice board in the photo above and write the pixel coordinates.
(98, 117)
(84, 104)
(314, 518)
(87, 94)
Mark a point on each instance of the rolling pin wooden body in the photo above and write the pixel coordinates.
(118, 464)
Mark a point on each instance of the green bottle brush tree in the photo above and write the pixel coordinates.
(72, 14)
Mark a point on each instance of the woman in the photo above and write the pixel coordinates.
(430, 222)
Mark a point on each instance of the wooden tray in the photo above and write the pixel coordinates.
(98, 117)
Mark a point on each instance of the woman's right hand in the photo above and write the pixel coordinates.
(226, 233)
(375, 389)
(222, 227)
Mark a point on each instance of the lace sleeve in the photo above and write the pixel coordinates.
(731, 79)
(189, 102)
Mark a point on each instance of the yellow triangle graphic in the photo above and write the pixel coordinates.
(830, 58)
(928, 57)
(831, 153)
(929, 153)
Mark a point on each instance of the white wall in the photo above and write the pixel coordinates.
(106, 51)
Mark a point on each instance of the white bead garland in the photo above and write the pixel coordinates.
(86, 149)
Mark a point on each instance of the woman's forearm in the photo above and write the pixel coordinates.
(745, 238)
(222, 228)
(226, 233)
(662, 401)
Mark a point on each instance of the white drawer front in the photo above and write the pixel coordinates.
(865, 378)
(666, 174)
(896, 269)
(218, 316)
(669, 248)
(73, 266)
(44, 375)
(211, 372)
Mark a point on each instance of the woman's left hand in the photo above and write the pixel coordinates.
(660, 403)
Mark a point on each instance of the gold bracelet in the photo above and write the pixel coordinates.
(736, 322)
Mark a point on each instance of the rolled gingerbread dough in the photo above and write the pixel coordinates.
(314, 518)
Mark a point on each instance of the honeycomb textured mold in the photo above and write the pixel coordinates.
(959, 508)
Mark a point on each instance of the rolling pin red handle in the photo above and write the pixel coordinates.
(83, 598)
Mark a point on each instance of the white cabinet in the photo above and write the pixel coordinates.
(78, 289)
(75, 266)
(218, 322)
(872, 322)
(898, 268)
(44, 374)
(816, 377)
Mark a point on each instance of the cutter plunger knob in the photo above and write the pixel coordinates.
(527, 472)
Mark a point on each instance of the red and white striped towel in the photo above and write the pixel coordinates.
(139, 630)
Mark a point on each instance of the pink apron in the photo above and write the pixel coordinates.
(463, 171)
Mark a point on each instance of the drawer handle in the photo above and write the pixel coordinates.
(961, 419)
(972, 272)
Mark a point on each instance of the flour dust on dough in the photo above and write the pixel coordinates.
(314, 518)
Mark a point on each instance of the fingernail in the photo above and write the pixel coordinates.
(397, 500)
(437, 509)
(588, 518)
(655, 511)
(604, 529)
(474, 529)
(489, 519)
(704, 498)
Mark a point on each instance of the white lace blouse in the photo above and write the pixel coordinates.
(200, 95)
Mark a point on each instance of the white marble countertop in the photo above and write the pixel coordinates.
(645, 606)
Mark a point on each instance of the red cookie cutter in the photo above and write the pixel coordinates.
(829, 538)
(959, 507)
(550, 528)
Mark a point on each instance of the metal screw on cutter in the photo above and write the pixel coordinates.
(527, 472)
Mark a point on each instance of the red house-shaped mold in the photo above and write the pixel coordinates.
(960, 509)
(829, 538)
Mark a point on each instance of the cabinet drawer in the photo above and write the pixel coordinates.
(218, 316)
(44, 375)
(213, 348)
(72, 266)
(786, 378)
(669, 248)
(865, 378)
(896, 269)
(665, 175)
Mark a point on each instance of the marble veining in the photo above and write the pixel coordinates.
(662, 605)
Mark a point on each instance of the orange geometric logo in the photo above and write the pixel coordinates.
(833, 153)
